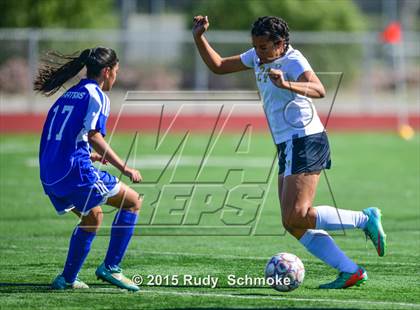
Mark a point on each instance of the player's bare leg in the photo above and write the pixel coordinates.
(92, 221)
(127, 199)
(296, 198)
(296, 193)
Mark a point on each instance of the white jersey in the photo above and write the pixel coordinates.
(289, 114)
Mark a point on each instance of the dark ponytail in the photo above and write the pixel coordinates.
(60, 68)
(274, 27)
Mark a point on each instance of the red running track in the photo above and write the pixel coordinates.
(32, 123)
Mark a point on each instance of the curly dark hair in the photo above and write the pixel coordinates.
(274, 27)
(60, 68)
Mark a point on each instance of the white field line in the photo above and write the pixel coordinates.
(13, 147)
(171, 291)
(218, 256)
(223, 256)
(160, 161)
(259, 297)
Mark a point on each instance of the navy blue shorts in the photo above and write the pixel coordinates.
(306, 154)
(89, 195)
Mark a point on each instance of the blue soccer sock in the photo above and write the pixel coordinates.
(79, 248)
(121, 232)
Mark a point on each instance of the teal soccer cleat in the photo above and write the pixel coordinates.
(114, 276)
(374, 230)
(345, 280)
(60, 283)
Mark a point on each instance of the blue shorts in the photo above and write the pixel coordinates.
(89, 195)
(306, 154)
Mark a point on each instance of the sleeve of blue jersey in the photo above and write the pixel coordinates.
(101, 124)
(95, 118)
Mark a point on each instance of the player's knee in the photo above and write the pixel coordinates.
(290, 228)
(96, 218)
(134, 203)
(287, 225)
(137, 204)
(287, 222)
(295, 220)
(92, 221)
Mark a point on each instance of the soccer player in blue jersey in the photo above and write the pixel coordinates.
(287, 83)
(76, 124)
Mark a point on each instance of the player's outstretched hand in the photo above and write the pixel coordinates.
(133, 174)
(276, 76)
(200, 25)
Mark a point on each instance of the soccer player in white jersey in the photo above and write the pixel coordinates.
(287, 85)
(75, 124)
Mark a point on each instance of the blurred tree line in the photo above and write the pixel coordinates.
(14, 66)
(306, 15)
(58, 14)
(301, 15)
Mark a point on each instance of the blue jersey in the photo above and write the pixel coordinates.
(64, 152)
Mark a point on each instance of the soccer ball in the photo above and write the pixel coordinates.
(284, 272)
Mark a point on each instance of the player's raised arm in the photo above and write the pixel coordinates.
(216, 63)
(99, 144)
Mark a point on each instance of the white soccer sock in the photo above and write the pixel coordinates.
(320, 244)
(330, 218)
